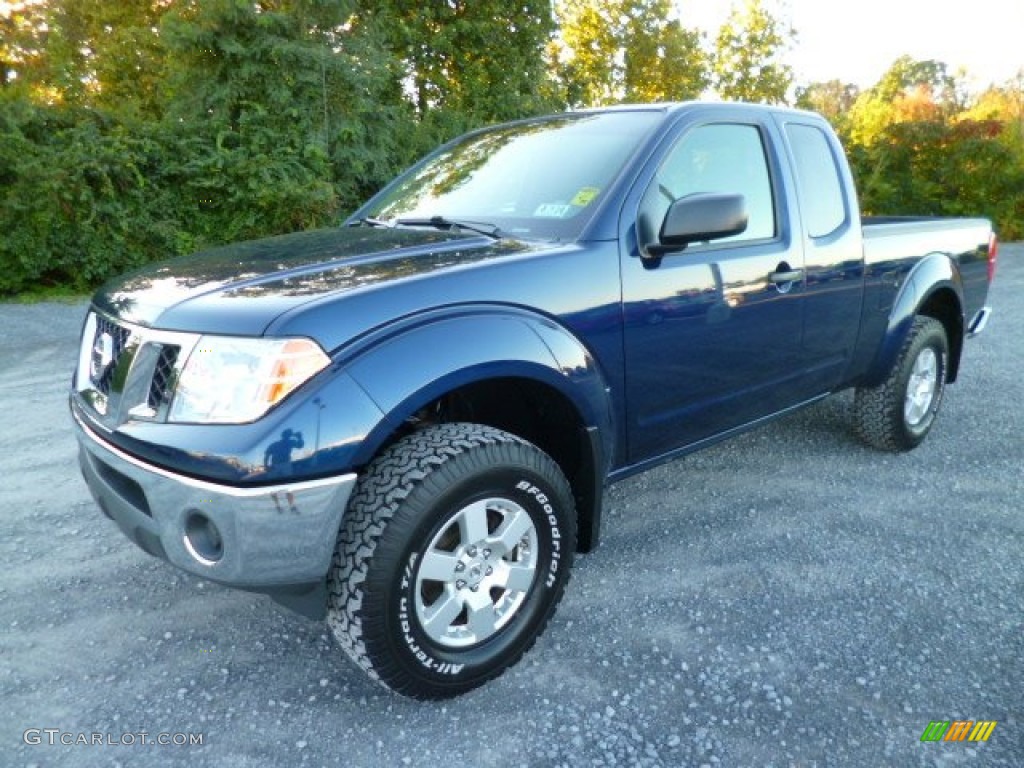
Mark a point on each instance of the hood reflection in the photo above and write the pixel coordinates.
(291, 269)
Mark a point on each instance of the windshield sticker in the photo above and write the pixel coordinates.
(585, 196)
(553, 211)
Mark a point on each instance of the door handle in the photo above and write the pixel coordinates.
(786, 276)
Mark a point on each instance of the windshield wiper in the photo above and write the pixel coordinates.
(369, 221)
(441, 222)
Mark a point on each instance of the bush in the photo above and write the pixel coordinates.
(966, 168)
(77, 199)
(86, 196)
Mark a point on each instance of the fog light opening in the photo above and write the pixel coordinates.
(202, 539)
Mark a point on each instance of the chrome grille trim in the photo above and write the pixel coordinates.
(128, 371)
(103, 361)
(165, 377)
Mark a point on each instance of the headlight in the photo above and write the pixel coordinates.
(232, 380)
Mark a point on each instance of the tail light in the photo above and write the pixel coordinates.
(993, 253)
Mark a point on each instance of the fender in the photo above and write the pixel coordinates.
(405, 367)
(933, 273)
(349, 411)
(327, 418)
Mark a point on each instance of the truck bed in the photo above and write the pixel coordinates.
(893, 244)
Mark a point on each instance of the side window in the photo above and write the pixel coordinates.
(713, 158)
(821, 192)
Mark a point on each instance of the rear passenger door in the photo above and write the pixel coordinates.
(833, 250)
(712, 334)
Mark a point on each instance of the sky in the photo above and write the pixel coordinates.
(857, 40)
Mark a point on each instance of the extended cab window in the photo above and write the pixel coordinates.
(714, 158)
(821, 191)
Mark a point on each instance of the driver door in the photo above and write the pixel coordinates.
(712, 335)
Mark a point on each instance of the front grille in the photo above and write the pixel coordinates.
(108, 345)
(128, 371)
(162, 386)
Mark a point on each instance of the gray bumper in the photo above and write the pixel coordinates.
(265, 538)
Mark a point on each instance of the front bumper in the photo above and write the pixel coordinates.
(270, 539)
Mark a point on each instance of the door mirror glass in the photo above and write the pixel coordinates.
(698, 218)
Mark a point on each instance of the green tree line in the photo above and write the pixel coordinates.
(135, 130)
(920, 144)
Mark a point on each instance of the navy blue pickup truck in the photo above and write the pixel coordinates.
(405, 425)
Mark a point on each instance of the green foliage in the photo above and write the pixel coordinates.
(934, 168)
(235, 120)
(832, 99)
(748, 61)
(909, 90)
(21, 44)
(258, 98)
(247, 182)
(78, 202)
(907, 73)
(664, 61)
(585, 62)
(103, 54)
(464, 63)
(615, 51)
(917, 148)
(134, 130)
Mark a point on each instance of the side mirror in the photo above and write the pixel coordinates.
(699, 217)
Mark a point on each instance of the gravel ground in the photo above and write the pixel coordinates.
(787, 598)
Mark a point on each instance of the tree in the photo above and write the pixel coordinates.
(463, 62)
(664, 61)
(1004, 104)
(586, 56)
(832, 98)
(284, 108)
(910, 90)
(748, 60)
(918, 148)
(907, 74)
(94, 53)
(234, 119)
(613, 51)
(23, 35)
(938, 168)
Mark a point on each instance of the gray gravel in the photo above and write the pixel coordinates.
(787, 598)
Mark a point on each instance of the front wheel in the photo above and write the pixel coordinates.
(898, 413)
(455, 550)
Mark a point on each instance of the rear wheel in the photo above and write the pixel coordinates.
(898, 413)
(455, 550)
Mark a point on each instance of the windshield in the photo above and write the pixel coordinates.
(534, 180)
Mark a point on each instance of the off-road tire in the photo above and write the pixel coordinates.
(880, 415)
(408, 497)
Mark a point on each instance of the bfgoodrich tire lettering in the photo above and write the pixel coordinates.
(455, 550)
(898, 413)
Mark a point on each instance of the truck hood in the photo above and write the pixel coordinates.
(242, 288)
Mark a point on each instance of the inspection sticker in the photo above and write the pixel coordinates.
(585, 196)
